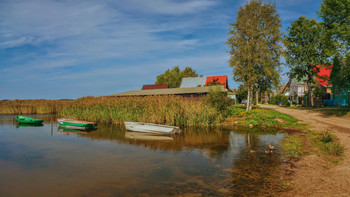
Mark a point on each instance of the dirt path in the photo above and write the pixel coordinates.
(312, 178)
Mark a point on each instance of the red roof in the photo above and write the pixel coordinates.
(152, 87)
(217, 80)
(323, 76)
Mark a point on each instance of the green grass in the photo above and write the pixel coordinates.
(260, 117)
(324, 144)
(293, 146)
(342, 112)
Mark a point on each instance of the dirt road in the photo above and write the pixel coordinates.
(312, 177)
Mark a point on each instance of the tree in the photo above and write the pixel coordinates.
(174, 76)
(336, 19)
(336, 78)
(254, 46)
(242, 92)
(305, 49)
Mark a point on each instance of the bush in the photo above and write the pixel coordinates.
(217, 99)
(279, 99)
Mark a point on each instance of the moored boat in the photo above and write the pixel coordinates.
(28, 120)
(76, 124)
(153, 128)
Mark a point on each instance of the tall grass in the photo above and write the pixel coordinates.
(170, 110)
(32, 106)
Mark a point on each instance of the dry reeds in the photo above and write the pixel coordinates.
(170, 110)
(32, 106)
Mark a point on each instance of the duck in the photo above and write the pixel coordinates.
(271, 147)
(269, 151)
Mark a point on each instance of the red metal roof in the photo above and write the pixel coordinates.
(323, 76)
(152, 87)
(217, 80)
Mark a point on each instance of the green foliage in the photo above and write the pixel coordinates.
(334, 148)
(254, 45)
(336, 19)
(260, 117)
(305, 48)
(279, 98)
(174, 76)
(217, 99)
(319, 90)
(327, 137)
(242, 92)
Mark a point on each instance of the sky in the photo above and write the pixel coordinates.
(66, 49)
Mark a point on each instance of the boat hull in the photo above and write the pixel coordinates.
(28, 120)
(75, 124)
(151, 128)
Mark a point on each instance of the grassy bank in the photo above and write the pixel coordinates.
(259, 117)
(324, 144)
(170, 110)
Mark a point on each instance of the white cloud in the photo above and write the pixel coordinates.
(170, 7)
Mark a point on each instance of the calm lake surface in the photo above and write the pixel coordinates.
(49, 161)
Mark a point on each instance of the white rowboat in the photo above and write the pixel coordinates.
(151, 128)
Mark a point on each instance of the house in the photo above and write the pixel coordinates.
(217, 80)
(191, 82)
(153, 87)
(191, 87)
(297, 90)
(191, 92)
(323, 79)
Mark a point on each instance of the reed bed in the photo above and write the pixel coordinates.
(169, 110)
(32, 106)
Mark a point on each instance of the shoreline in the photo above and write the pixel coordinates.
(313, 174)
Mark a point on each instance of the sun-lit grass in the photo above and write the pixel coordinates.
(260, 117)
(321, 143)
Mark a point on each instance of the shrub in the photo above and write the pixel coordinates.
(217, 99)
(279, 99)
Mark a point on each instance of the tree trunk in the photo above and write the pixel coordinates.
(266, 99)
(257, 96)
(308, 94)
(250, 98)
(339, 99)
(247, 107)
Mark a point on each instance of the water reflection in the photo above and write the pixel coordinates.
(147, 136)
(116, 162)
(21, 125)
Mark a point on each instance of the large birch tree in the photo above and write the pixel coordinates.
(254, 46)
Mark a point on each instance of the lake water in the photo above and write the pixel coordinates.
(48, 161)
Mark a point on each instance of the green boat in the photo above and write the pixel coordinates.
(28, 120)
(76, 124)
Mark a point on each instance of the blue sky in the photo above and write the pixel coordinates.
(56, 49)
